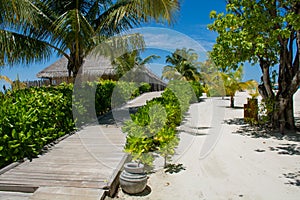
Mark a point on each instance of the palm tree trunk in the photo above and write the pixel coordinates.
(75, 66)
(232, 101)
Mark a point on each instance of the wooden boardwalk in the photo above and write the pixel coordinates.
(86, 161)
(83, 166)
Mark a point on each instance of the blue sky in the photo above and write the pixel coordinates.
(191, 25)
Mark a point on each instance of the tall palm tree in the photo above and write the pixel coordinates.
(129, 60)
(31, 30)
(183, 65)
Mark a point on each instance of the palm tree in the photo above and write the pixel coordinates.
(31, 30)
(183, 66)
(232, 83)
(129, 60)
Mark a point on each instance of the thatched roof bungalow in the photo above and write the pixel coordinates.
(97, 67)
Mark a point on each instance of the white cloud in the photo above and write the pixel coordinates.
(169, 40)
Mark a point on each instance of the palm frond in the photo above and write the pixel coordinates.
(126, 14)
(149, 59)
(116, 46)
(72, 28)
(16, 48)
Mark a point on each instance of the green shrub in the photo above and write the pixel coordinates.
(198, 89)
(103, 96)
(153, 126)
(86, 109)
(31, 118)
(144, 87)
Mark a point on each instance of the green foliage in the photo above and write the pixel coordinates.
(198, 88)
(266, 33)
(266, 110)
(250, 31)
(103, 96)
(129, 61)
(144, 87)
(87, 109)
(153, 126)
(183, 65)
(33, 29)
(31, 118)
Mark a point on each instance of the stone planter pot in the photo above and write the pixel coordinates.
(133, 180)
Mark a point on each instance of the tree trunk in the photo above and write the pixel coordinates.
(289, 115)
(232, 101)
(75, 65)
(265, 88)
(283, 116)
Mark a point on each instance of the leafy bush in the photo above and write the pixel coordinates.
(103, 96)
(144, 87)
(32, 118)
(198, 88)
(86, 109)
(153, 126)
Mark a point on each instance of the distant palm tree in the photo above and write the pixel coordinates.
(128, 61)
(31, 30)
(183, 66)
(232, 83)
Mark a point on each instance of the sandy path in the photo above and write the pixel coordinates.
(222, 165)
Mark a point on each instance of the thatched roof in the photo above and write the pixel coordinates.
(91, 66)
(96, 66)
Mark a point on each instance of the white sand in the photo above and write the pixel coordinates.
(221, 164)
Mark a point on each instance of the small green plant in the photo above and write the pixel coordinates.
(153, 126)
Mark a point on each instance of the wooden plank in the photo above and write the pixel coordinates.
(36, 183)
(18, 188)
(14, 195)
(59, 177)
(87, 159)
(67, 193)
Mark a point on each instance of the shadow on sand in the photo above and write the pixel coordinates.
(145, 192)
(174, 168)
(294, 178)
(262, 132)
(287, 149)
(195, 131)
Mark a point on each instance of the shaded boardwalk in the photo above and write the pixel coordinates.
(85, 165)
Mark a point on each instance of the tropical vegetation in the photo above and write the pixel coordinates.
(129, 61)
(183, 65)
(264, 32)
(32, 30)
(31, 118)
(233, 83)
(15, 85)
(153, 127)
